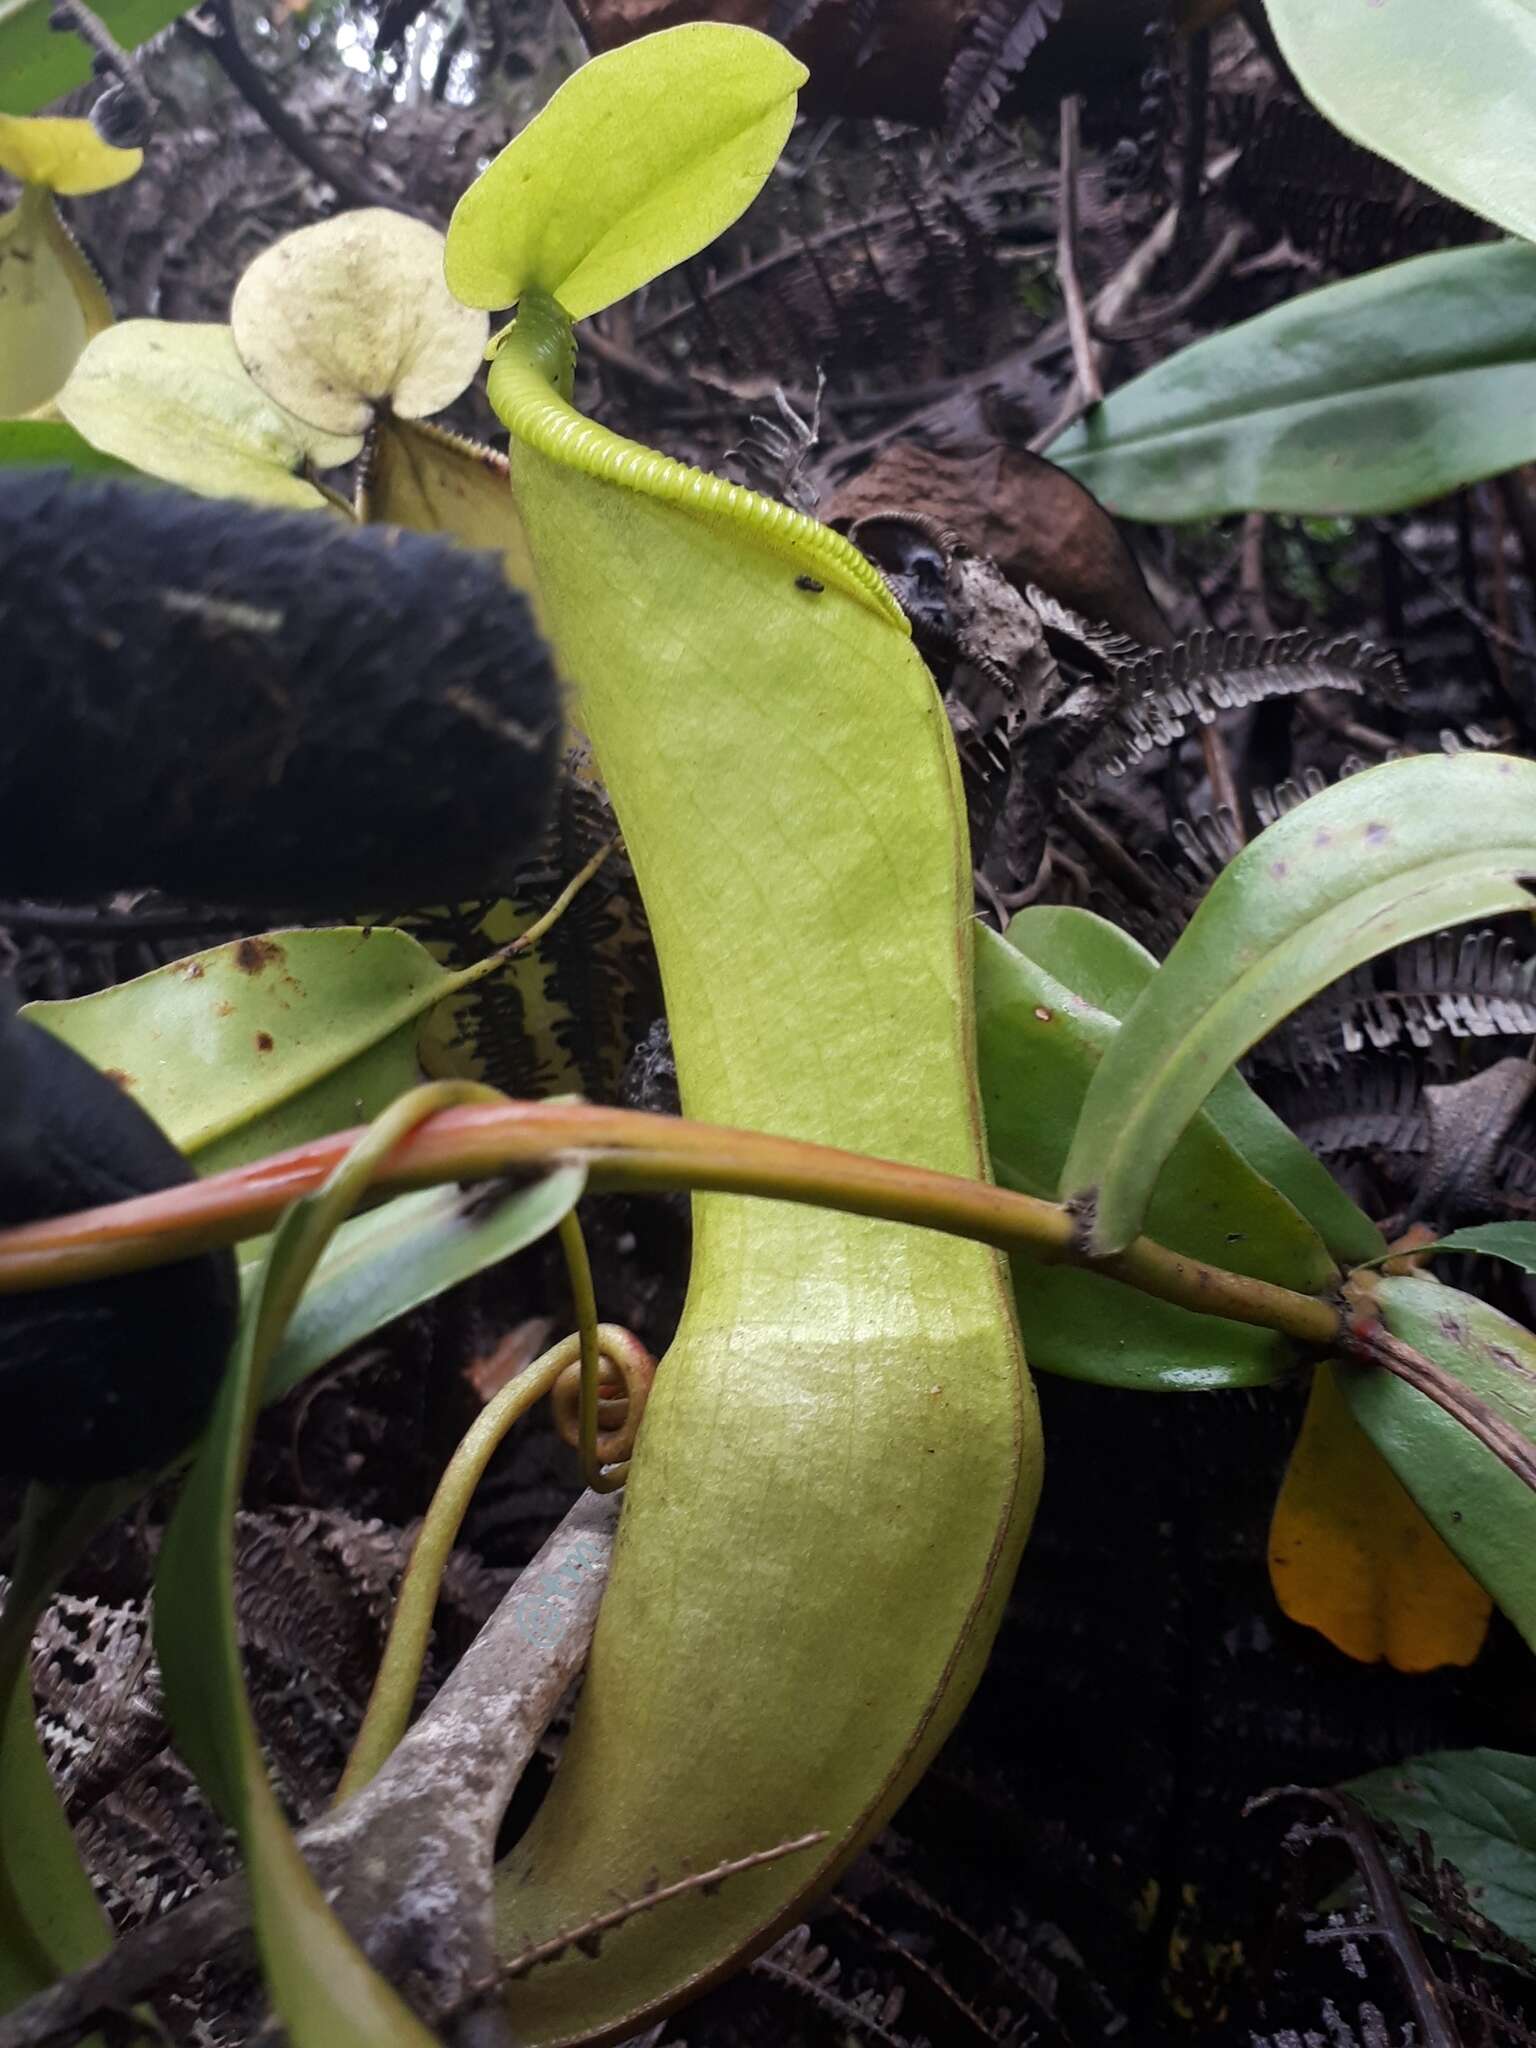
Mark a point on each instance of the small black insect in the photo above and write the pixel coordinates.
(808, 583)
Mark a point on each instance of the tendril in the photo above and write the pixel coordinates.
(405, 1651)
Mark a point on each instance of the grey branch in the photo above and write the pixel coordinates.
(408, 1862)
(212, 29)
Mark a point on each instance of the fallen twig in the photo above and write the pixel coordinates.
(408, 1863)
(1085, 358)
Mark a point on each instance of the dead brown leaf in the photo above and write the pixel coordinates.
(1036, 522)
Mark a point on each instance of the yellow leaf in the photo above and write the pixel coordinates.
(65, 156)
(1351, 1555)
(335, 319)
(431, 481)
(536, 1033)
(175, 400)
(50, 304)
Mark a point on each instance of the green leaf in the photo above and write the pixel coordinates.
(39, 65)
(337, 320)
(411, 1250)
(265, 1042)
(1100, 963)
(175, 401)
(1363, 397)
(1039, 1043)
(1106, 966)
(1084, 1326)
(1443, 91)
(50, 1922)
(50, 444)
(1383, 857)
(1478, 1807)
(640, 160)
(50, 1919)
(1273, 1150)
(322, 1987)
(1514, 1242)
(51, 303)
(1483, 1511)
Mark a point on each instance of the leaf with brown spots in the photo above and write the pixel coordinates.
(1485, 1513)
(265, 1042)
(252, 956)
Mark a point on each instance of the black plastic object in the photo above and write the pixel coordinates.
(243, 706)
(112, 1376)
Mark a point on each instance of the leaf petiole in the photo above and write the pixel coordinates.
(635, 1150)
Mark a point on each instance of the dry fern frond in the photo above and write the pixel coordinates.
(808, 1969)
(1005, 36)
(1164, 692)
